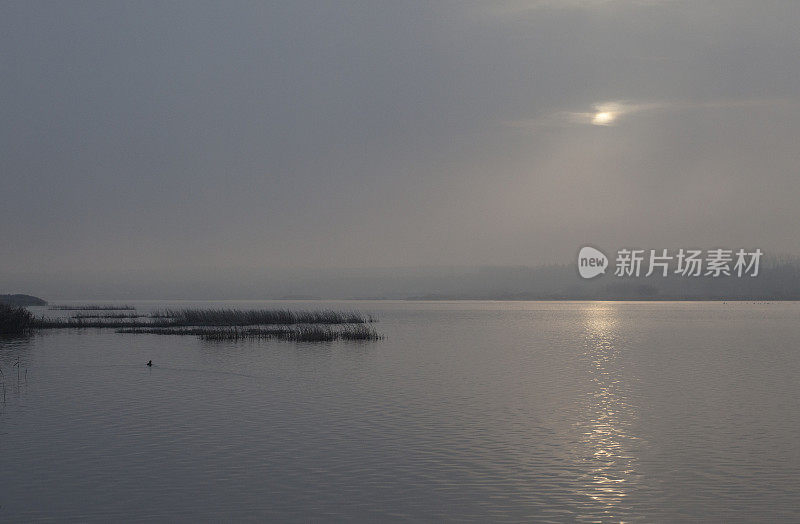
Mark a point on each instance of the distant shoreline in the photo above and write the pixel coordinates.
(22, 300)
(608, 299)
(450, 299)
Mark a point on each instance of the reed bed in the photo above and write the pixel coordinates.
(215, 333)
(211, 318)
(221, 333)
(15, 320)
(298, 334)
(359, 333)
(229, 324)
(238, 317)
(85, 323)
(162, 331)
(109, 315)
(93, 307)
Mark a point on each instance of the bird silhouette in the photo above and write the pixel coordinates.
(150, 363)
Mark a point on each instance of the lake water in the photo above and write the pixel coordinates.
(466, 411)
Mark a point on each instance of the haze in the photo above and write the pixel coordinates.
(222, 140)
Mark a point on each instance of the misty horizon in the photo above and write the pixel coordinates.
(170, 137)
(359, 261)
(778, 279)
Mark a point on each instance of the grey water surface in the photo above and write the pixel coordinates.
(466, 411)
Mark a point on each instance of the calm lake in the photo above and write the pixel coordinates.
(466, 411)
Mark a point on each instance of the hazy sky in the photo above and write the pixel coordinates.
(171, 135)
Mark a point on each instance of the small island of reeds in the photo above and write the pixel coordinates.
(92, 307)
(207, 324)
(299, 334)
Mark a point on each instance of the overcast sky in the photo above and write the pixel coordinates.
(171, 135)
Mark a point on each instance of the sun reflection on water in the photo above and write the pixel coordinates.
(607, 443)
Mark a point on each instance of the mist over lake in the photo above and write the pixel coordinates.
(468, 411)
(359, 261)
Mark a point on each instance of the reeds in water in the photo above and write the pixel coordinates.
(162, 331)
(84, 323)
(229, 324)
(109, 315)
(298, 334)
(15, 320)
(359, 333)
(93, 307)
(238, 317)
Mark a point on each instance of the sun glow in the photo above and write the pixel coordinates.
(604, 118)
(607, 113)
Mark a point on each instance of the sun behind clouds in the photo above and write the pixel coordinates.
(606, 114)
(603, 118)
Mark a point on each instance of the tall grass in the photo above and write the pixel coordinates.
(93, 307)
(109, 315)
(83, 323)
(162, 331)
(229, 324)
(299, 334)
(238, 317)
(15, 320)
(359, 333)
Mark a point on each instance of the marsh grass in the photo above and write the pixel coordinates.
(359, 333)
(229, 324)
(299, 334)
(93, 307)
(84, 323)
(162, 331)
(15, 320)
(109, 315)
(238, 317)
